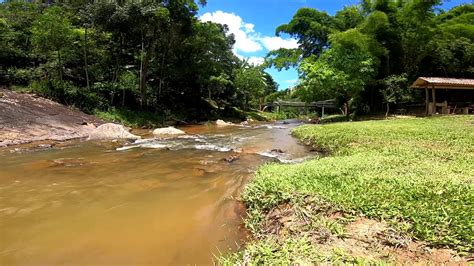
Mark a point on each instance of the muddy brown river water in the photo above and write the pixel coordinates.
(151, 202)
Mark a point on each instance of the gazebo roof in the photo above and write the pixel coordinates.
(443, 83)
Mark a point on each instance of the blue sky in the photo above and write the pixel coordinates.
(254, 23)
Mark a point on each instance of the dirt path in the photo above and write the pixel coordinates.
(26, 118)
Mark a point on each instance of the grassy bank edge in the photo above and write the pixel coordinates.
(275, 184)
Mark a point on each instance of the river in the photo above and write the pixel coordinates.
(151, 202)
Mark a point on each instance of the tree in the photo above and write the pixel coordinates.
(395, 89)
(52, 32)
(250, 82)
(341, 72)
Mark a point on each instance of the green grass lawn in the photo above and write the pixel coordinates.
(415, 173)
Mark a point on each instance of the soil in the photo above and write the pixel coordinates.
(26, 118)
(363, 238)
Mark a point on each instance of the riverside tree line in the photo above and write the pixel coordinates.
(367, 55)
(152, 56)
(156, 56)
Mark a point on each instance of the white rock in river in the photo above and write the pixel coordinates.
(111, 131)
(222, 123)
(168, 131)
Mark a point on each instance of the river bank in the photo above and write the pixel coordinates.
(26, 118)
(396, 191)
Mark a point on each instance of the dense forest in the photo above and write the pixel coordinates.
(367, 55)
(153, 57)
(158, 57)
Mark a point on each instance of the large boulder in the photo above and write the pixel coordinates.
(111, 131)
(222, 123)
(167, 131)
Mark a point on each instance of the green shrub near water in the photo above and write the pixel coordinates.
(134, 118)
(416, 173)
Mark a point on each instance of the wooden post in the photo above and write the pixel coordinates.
(322, 115)
(433, 111)
(427, 100)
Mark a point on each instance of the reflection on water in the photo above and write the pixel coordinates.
(152, 202)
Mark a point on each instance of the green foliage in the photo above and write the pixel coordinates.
(348, 18)
(312, 29)
(67, 93)
(395, 90)
(134, 118)
(250, 81)
(414, 173)
(52, 32)
(134, 55)
(278, 95)
(396, 37)
(342, 71)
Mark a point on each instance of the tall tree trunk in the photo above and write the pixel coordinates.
(86, 68)
(143, 80)
(60, 66)
(142, 83)
(145, 62)
(388, 109)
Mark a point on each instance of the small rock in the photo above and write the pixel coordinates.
(277, 151)
(168, 131)
(222, 123)
(244, 123)
(1, 94)
(231, 158)
(111, 131)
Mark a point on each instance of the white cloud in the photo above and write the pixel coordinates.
(244, 41)
(249, 27)
(256, 61)
(291, 81)
(275, 43)
(247, 40)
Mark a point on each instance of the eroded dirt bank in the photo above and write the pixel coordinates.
(26, 118)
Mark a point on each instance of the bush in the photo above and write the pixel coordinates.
(20, 76)
(67, 93)
(134, 118)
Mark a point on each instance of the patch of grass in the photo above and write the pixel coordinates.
(291, 251)
(274, 116)
(132, 118)
(21, 89)
(415, 173)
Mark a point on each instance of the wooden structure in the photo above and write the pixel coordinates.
(445, 89)
(318, 104)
